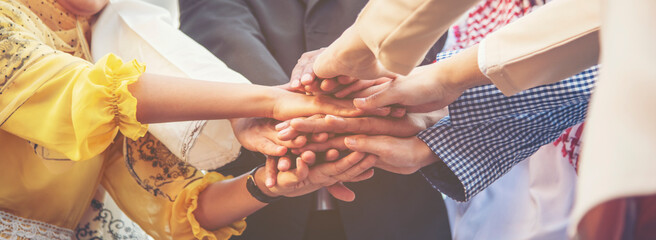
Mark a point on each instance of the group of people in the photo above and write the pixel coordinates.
(106, 103)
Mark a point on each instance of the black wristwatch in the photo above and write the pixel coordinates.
(255, 191)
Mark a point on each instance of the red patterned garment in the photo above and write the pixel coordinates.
(487, 17)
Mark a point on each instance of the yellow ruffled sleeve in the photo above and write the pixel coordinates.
(72, 107)
(160, 192)
(61, 102)
(187, 203)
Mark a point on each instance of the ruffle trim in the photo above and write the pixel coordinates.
(236, 228)
(113, 72)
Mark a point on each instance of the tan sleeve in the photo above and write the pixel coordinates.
(555, 42)
(400, 32)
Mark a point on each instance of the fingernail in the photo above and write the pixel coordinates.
(284, 132)
(269, 182)
(351, 141)
(282, 125)
(333, 117)
(306, 78)
(281, 149)
(358, 102)
(295, 84)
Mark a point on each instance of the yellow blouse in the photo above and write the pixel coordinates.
(62, 122)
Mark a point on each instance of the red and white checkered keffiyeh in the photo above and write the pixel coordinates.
(487, 17)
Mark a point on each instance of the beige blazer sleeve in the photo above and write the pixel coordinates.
(400, 32)
(555, 42)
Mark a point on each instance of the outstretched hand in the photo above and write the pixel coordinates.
(406, 126)
(304, 179)
(290, 105)
(394, 154)
(429, 87)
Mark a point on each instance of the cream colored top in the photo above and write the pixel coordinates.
(552, 43)
(400, 33)
(618, 158)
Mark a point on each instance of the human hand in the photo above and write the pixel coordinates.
(425, 89)
(407, 126)
(303, 79)
(302, 180)
(397, 155)
(259, 134)
(289, 105)
(429, 87)
(355, 61)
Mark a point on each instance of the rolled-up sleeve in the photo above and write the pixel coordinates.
(400, 32)
(554, 42)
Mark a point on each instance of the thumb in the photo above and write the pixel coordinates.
(323, 66)
(362, 143)
(377, 100)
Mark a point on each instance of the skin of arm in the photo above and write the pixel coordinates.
(402, 131)
(164, 99)
(429, 87)
(224, 202)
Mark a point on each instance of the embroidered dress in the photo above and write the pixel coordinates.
(63, 129)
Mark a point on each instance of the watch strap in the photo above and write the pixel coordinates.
(255, 191)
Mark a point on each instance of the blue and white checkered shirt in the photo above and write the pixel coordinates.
(487, 133)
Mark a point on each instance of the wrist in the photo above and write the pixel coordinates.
(272, 101)
(259, 178)
(462, 71)
(426, 156)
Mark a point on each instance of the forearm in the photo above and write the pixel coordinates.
(165, 99)
(225, 202)
(554, 42)
(461, 70)
(475, 156)
(468, 109)
(410, 28)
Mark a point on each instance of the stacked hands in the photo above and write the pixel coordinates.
(346, 127)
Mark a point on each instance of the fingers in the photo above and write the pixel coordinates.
(307, 74)
(356, 170)
(354, 87)
(281, 125)
(341, 192)
(340, 166)
(329, 85)
(344, 80)
(270, 148)
(302, 169)
(398, 112)
(340, 107)
(309, 157)
(270, 172)
(378, 100)
(333, 143)
(284, 164)
(369, 144)
(363, 176)
(288, 134)
(302, 74)
(332, 155)
(370, 91)
(320, 137)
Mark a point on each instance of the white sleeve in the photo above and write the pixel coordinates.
(138, 30)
